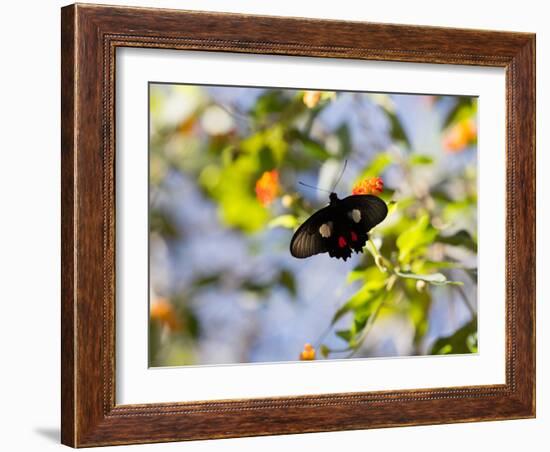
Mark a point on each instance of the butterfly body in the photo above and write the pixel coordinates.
(339, 228)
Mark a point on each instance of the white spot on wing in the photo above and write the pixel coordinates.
(325, 230)
(355, 215)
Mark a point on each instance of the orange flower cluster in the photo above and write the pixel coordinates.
(311, 98)
(163, 312)
(368, 186)
(308, 354)
(267, 187)
(460, 135)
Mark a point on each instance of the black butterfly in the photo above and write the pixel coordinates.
(340, 227)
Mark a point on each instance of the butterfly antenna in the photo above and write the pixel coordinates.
(341, 174)
(311, 186)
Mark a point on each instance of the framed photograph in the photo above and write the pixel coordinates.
(282, 225)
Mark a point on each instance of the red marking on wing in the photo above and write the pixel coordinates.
(353, 236)
(342, 242)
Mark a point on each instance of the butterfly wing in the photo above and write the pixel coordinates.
(372, 210)
(362, 213)
(307, 241)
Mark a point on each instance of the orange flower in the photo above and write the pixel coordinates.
(311, 98)
(457, 137)
(187, 125)
(368, 186)
(308, 354)
(163, 312)
(267, 187)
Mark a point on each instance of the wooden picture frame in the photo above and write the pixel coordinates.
(90, 36)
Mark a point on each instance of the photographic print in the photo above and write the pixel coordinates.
(295, 225)
(302, 216)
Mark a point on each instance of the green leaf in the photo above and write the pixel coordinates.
(234, 193)
(377, 165)
(397, 131)
(268, 144)
(413, 241)
(472, 273)
(364, 300)
(155, 333)
(357, 327)
(465, 107)
(273, 101)
(245, 212)
(359, 323)
(315, 149)
(428, 265)
(345, 140)
(355, 275)
(437, 279)
(461, 238)
(207, 280)
(344, 334)
(445, 349)
(392, 206)
(420, 159)
(191, 322)
(287, 280)
(458, 209)
(260, 289)
(463, 340)
(372, 274)
(324, 350)
(163, 223)
(417, 307)
(284, 221)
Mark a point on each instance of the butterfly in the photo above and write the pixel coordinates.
(339, 228)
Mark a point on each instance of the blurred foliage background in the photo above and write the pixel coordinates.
(225, 200)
